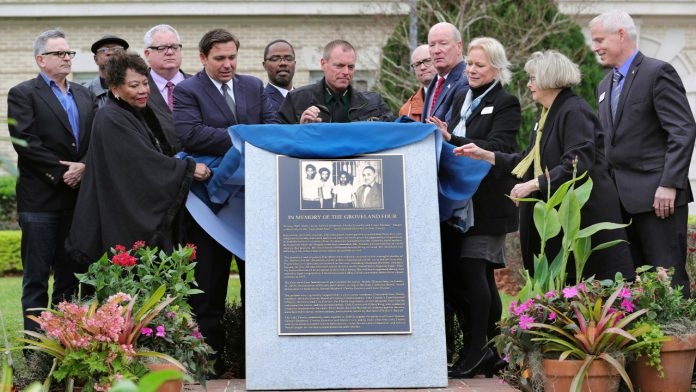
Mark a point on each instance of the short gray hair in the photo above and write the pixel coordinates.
(147, 40)
(614, 20)
(496, 52)
(552, 69)
(40, 41)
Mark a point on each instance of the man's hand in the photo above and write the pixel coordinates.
(664, 201)
(73, 176)
(311, 115)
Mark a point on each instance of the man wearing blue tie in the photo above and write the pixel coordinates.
(649, 133)
(205, 105)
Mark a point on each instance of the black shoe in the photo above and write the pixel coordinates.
(482, 366)
(497, 365)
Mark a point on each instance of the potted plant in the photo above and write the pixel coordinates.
(137, 270)
(593, 323)
(95, 344)
(668, 366)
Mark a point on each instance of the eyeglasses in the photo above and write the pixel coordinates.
(425, 62)
(165, 48)
(277, 59)
(60, 53)
(112, 49)
(532, 79)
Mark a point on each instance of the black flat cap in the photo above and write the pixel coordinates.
(109, 39)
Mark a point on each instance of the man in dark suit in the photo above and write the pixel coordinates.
(446, 48)
(279, 63)
(163, 53)
(205, 105)
(52, 117)
(369, 194)
(649, 138)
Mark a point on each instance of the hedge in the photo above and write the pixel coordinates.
(10, 258)
(8, 200)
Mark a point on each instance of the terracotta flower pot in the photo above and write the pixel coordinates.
(171, 385)
(678, 362)
(559, 375)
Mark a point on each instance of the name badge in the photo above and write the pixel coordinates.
(601, 97)
(487, 110)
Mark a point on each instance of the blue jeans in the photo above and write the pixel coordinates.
(43, 250)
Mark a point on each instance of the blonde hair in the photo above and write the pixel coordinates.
(496, 53)
(552, 69)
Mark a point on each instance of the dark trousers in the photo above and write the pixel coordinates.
(43, 251)
(660, 242)
(212, 275)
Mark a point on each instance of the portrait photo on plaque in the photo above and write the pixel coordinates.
(341, 184)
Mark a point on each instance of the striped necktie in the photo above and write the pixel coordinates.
(615, 92)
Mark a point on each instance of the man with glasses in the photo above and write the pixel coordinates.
(279, 63)
(103, 49)
(163, 54)
(52, 118)
(422, 66)
(333, 99)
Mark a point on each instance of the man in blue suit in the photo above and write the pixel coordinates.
(279, 63)
(205, 105)
(446, 49)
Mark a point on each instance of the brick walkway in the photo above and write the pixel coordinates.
(468, 385)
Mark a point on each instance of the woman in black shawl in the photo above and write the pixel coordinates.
(133, 188)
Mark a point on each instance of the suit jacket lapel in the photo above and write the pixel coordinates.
(84, 106)
(156, 98)
(47, 95)
(241, 103)
(217, 98)
(626, 89)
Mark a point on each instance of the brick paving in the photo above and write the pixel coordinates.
(458, 385)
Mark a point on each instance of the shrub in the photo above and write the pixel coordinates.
(8, 202)
(10, 257)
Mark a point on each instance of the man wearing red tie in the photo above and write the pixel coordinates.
(445, 44)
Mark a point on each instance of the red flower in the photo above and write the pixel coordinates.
(193, 253)
(138, 244)
(119, 249)
(124, 260)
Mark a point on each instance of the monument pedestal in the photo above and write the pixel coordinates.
(407, 357)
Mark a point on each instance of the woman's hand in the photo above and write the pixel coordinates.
(202, 172)
(523, 190)
(441, 126)
(473, 151)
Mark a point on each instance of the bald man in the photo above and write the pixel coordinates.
(422, 66)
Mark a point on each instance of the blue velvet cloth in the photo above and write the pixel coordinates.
(458, 177)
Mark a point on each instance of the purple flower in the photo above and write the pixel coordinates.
(146, 331)
(171, 315)
(525, 320)
(160, 331)
(552, 316)
(197, 334)
(550, 294)
(625, 293)
(570, 292)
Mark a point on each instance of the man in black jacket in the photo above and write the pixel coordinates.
(333, 99)
(53, 117)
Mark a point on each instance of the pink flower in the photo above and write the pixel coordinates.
(550, 294)
(570, 292)
(138, 244)
(146, 331)
(628, 305)
(160, 331)
(193, 253)
(525, 320)
(625, 293)
(552, 316)
(197, 334)
(119, 248)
